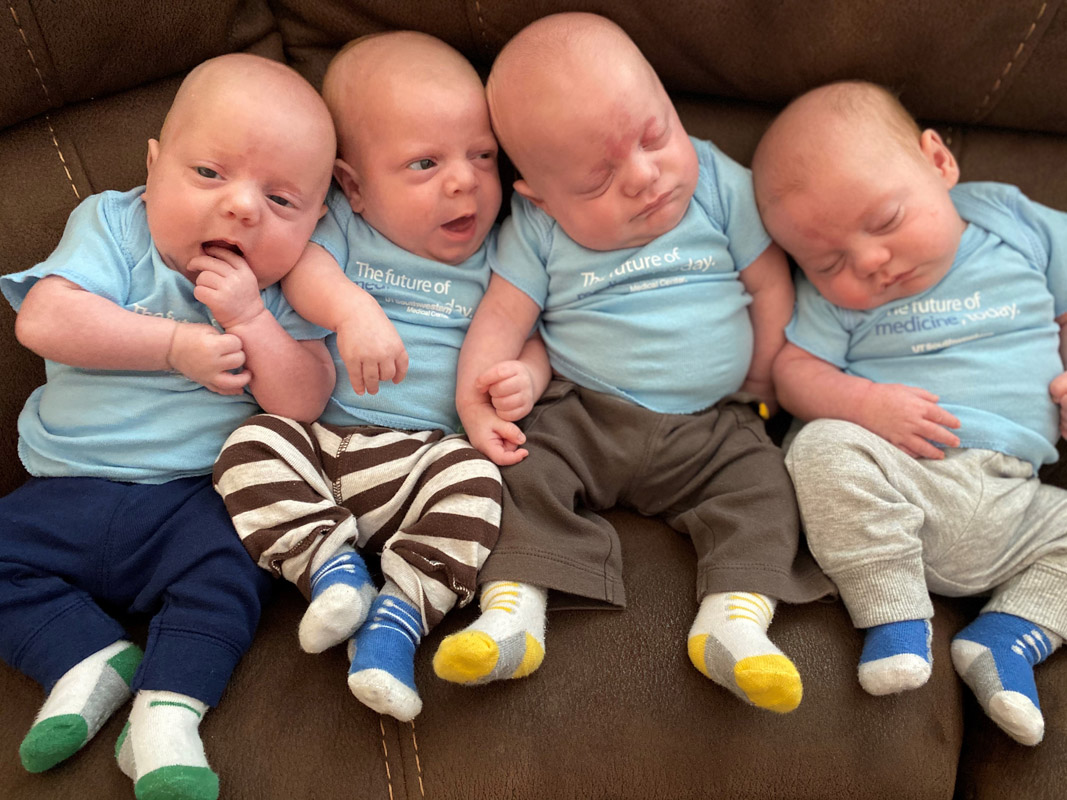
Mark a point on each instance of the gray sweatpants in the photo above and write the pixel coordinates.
(889, 528)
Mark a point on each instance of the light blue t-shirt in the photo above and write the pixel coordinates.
(984, 339)
(141, 427)
(431, 305)
(665, 325)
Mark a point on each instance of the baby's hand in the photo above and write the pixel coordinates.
(510, 387)
(909, 418)
(1058, 390)
(372, 351)
(202, 354)
(495, 438)
(226, 284)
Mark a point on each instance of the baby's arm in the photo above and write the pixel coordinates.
(61, 321)
(767, 279)
(499, 332)
(906, 416)
(1058, 387)
(287, 377)
(368, 343)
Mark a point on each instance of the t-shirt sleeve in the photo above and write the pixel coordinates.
(817, 326)
(518, 256)
(92, 252)
(1049, 227)
(1037, 231)
(735, 198)
(331, 232)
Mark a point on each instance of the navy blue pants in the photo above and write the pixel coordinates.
(71, 545)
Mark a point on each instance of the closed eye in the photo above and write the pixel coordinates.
(892, 222)
(656, 139)
(598, 185)
(279, 200)
(830, 268)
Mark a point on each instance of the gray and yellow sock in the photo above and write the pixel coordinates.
(506, 641)
(728, 643)
(79, 705)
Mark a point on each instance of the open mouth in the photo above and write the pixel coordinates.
(461, 225)
(222, 244)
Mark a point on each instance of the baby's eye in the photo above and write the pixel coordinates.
(655, 139)
(206, 172)
(890, 223)
(422, 163)
(597, 185)
(279, 200)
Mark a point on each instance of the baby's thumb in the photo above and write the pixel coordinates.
(1058, 387)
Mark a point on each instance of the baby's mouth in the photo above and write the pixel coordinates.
(222, 244)
(460, 225)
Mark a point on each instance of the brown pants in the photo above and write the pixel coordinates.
(714, 475)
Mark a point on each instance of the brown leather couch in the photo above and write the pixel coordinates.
(616, 711)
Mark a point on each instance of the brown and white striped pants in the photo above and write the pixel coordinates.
(428, 502)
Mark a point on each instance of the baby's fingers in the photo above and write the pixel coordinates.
(1058, 388)
(936, 433)
(230, 382)
(939, 416)
(918, 447)
(494, 375)
(370, 377)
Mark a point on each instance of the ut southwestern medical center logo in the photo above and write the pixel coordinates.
(671, 264)
(939, 315)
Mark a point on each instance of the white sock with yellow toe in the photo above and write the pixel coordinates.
(506, 641)
(728, 643)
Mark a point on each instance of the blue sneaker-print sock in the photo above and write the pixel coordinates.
(896, 656)
(382, 674)
(341, 595)
(996, 655)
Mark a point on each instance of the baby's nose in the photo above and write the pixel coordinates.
(242, 201)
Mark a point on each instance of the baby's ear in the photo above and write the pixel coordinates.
(348, 180)
(153, 153)
(523, 188)
(937, 153)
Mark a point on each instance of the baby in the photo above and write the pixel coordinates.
(660, 298)
(927, 345)
(161, 331)
(410, 223)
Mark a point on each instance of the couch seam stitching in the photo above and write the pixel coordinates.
(481, 25)
(47, 97)
(418, 762)
(999, 82)
(385, 753)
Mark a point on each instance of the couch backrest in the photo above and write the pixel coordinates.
(87, 84)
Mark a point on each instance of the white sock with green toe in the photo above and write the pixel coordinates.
(728, 643)
(161, 751)
(79, 704)
(506, 641)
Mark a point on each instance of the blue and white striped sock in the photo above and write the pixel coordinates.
(996, 655)
(896, 656)
(341, 594)
(382, 674)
